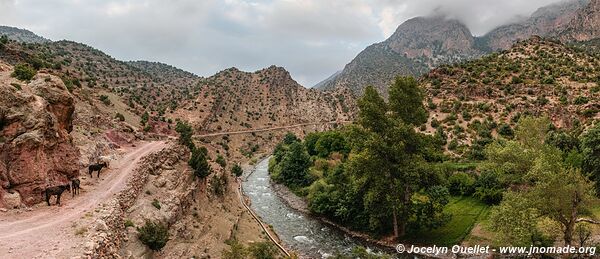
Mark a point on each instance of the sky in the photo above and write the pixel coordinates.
(310, 38)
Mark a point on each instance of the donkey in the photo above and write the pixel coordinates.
(55, 190)
(96, 167)
(75, 187)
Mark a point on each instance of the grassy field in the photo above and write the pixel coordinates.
(466, 212)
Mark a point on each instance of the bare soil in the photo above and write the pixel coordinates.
(51, 232)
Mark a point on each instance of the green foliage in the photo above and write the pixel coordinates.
(145, 118)
(263, 250)
(24, 72)
(156, 204)
(120, 116)
(293, 168)
(590, 147)
(237, 170)
(129, 223)
(199, 162)
(461, 183)
(3, 41)
(406, 101)
(219, 184)
(221, 161)
(153, 235)
(505, 130)
(185, 134)
(105, 100)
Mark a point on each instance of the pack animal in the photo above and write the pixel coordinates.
(55, 190)
(96, 167)
(75, 186)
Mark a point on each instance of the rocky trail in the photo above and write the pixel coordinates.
(269, 129)
(52, 232)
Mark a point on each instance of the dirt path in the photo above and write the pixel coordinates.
(50, 232)
(268, 129)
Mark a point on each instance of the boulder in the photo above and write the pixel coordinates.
(36, 150)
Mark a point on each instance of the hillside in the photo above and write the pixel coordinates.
(21, 35)
(235, 100)
(423, 43)
(484, 97)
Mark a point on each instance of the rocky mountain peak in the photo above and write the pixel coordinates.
(584, 26)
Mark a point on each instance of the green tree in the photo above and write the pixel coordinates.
(294, 166)
(185, 134)
(154, 235)
(199, 162)
(373, 111)
(145, 118)
(590, 147)
(236, 250)
(3, 41)
(406, 101)
(263, 250)
(221, 161)
(237, 170)
(23, 72)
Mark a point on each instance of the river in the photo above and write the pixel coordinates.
(299, 232)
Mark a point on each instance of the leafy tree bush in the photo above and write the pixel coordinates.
(120, 116)
(145, 118)
(153, 235)
(237, 170)
(590, 147)
(263, 250)
(221, 161)
(105, 99)
(505, 130)
(185, 134)
(3, 41)
(23, 72)
(293, 168)
(199, 162)
(461, 183)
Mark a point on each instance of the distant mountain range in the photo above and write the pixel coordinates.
(21, 35)
(423, 43)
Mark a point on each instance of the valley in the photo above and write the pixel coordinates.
(431, 137)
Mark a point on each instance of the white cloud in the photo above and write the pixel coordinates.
(311, 38)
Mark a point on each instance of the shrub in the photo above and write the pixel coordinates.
(221, 161)
(199, 162)
(23, 72)
(105, 100)
(156, 204)
(263, 250)
(129, 223)
(505, 130)
(120, 116)
(461, 183)
(237, 170)
(185, 134)
(153, 235)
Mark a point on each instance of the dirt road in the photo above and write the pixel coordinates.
(58, 232)
(269, 129)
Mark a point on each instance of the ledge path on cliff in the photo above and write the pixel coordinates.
(50, 232)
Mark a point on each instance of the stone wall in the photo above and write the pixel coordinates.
(109, 230)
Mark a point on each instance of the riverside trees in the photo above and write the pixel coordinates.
(378, 176)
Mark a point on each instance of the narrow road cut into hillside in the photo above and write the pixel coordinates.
(52, 232)
(269, 129)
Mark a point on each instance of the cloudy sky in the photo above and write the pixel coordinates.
(310, 38)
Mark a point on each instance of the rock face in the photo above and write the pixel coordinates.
(418, 45)
(423, 43)
(36, 150)
(585, 25)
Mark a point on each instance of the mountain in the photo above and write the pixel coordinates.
(423, 43)
(476, 99)
(233, 100)
(22, 35)
(543, 22)
(418, 45)
(327, 80)
(584, 25)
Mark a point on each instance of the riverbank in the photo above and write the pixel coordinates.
(300, 204)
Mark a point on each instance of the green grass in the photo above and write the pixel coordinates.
(466, 212)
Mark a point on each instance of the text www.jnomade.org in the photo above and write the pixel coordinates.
(478, 249)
